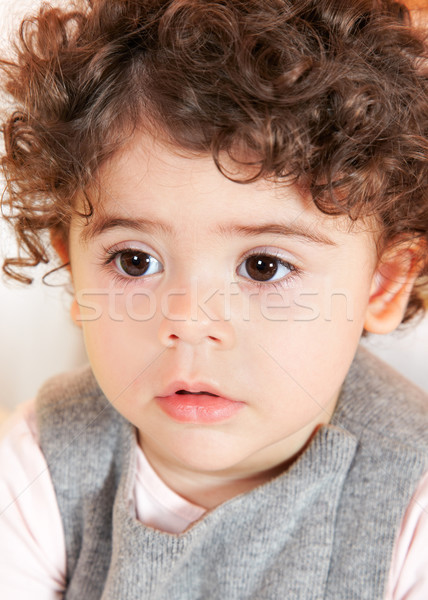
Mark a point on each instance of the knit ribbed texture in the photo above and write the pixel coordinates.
(323, 529)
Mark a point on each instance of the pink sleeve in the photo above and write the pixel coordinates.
(408, 578)
(32, 547)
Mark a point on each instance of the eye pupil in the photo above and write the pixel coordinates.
(261, 267)
(134, 263)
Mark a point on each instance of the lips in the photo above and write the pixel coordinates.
(196, 387)
(196, 393)
(196, 402)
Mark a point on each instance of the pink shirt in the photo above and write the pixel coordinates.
(32, 547)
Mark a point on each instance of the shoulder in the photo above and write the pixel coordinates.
(32, 555)
(80, 432)
(19, 439)
(88, 447)
(377, 400)
(388, 417)
(409, 568)
(71, 389)
(71, 404)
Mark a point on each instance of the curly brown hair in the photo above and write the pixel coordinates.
(332, 93)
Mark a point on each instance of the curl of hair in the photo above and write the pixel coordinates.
(331, 93)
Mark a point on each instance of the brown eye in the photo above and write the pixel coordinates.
(136, 263)
(263, 267)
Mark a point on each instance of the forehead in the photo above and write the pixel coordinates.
(167, 189)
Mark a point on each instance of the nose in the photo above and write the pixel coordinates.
(193, 315)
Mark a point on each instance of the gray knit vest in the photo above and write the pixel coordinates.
(325, 528)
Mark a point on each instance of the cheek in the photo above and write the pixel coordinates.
(119, 345)
(305, 351)
(339, 299)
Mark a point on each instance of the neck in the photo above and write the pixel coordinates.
(210, 489)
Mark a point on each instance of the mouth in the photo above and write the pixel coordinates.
(184, 392)
(202, 406)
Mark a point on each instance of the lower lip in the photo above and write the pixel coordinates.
(198, 409)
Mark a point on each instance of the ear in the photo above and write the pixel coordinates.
(61, 248)
(75, 313)
(392, 285)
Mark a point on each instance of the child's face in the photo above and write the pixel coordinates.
(282, 349)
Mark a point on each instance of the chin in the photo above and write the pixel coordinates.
(208, 455)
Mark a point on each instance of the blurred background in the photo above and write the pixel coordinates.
(39, 339)
(37, 335)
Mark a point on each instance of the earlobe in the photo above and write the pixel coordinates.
(75, 313)
(392, 285)
(61, 249)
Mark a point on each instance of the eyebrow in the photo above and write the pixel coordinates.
(283, 229)
(103, 224)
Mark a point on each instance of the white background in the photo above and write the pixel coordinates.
(38, 338)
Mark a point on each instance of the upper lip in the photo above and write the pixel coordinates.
(195, 386)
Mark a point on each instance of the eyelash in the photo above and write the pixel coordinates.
(109, 255)
(287, 280)
(107, 258)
